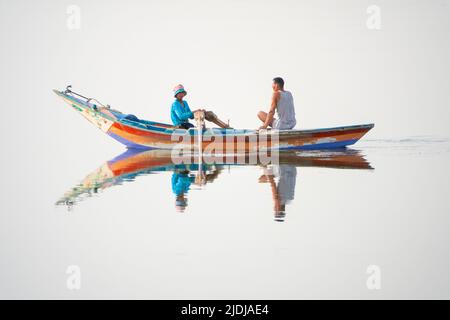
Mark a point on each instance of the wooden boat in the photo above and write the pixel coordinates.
(144, 134)
(133, 163)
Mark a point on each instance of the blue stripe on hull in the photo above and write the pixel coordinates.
(127, 154)
(128, 143)
(327, 145)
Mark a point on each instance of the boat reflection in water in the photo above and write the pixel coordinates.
(281, 177)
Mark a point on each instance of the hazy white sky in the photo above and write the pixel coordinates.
(131, 53)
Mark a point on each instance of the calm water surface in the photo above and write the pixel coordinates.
(280, 175)
(139, 226)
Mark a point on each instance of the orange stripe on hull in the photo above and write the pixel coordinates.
(243, 143)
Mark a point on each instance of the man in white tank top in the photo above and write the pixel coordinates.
(283, 104)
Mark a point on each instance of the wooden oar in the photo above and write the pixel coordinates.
(200, 118)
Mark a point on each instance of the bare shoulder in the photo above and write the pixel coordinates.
(276, 95)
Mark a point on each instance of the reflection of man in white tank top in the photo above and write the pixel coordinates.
(283, 104)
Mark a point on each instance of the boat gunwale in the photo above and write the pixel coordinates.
(193, 131)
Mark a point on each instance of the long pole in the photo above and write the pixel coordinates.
(199, 139)
(199, 117)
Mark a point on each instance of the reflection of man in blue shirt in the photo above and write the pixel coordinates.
(181, 183)
(182, 180)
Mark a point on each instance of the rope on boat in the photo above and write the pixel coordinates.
(69, 90)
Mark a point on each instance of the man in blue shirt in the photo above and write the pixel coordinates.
(180, 113)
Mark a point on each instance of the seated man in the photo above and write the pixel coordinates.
(180, 112)
(283, 104)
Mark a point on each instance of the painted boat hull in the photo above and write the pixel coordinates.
(147, 135)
